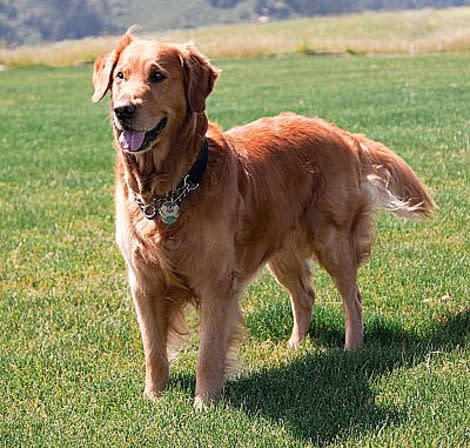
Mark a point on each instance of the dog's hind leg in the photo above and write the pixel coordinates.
(293, 272)
(336, 252)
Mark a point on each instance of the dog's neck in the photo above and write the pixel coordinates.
(158, 171)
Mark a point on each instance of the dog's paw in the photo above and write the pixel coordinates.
(151, 395)
(295, 340)
(354, 341)
(201, 404)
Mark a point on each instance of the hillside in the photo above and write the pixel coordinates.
(399, 32)
(32, 21)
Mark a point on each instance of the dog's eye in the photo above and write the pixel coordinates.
(157, 76)
(120, 75)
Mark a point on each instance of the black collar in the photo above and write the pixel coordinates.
(199, 166)
(167, 206)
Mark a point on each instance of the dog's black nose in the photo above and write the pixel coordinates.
(124, 109)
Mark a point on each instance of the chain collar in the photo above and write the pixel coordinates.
(166, 207)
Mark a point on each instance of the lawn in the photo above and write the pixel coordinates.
(71, 361)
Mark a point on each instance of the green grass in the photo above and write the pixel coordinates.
(71, 360)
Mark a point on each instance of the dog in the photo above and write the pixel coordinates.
(200, 211)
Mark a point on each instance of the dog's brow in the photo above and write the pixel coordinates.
(158, 66)
(120, 68)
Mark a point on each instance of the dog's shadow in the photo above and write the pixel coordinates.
(329, 396)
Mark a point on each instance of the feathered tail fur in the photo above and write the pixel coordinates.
(393, 184)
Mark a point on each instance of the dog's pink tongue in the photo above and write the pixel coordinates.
(131, 140)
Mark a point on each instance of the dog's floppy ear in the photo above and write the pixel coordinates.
(199, 77)
(104, 66)
(103, 70)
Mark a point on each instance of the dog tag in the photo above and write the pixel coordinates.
(169, 213)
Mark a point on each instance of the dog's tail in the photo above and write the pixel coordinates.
(391, 182)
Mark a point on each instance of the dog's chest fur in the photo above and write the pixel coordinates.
(175, 255)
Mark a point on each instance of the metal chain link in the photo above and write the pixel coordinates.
(171, 199)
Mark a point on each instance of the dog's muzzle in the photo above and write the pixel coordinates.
(137, 141)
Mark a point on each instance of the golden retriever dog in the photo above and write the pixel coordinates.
(200, 211)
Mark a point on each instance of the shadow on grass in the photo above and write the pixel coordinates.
(327, 397)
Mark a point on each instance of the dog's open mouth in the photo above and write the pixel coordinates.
(137, 141)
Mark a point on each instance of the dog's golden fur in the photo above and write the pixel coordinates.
(280, 190)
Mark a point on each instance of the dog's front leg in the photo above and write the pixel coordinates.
(220, 317)
(152, 318)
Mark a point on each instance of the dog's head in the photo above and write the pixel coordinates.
(154, 87)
